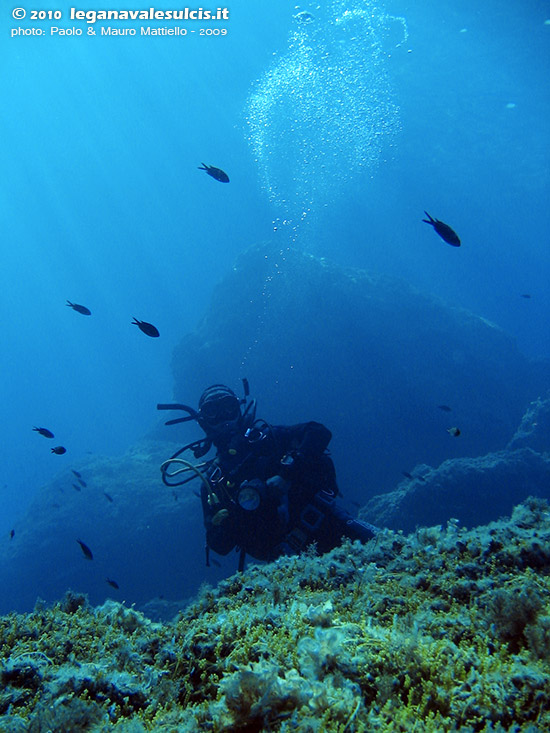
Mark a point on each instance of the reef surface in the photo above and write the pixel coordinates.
(445, 629)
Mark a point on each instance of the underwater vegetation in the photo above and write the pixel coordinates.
(445, 629)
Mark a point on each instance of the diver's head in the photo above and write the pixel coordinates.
(219, 412)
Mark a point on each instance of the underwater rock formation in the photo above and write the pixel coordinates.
(441, 630)
(472, 490)
(145, 537)
(534, 430)
(369, 356)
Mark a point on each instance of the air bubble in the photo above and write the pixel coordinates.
(324, 110)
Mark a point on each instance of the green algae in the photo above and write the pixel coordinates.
(441, 630)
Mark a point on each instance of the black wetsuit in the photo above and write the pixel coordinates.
(287, 513)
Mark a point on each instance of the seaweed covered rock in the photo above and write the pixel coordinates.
(445, 629)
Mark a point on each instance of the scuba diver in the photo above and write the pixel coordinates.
(270, 490)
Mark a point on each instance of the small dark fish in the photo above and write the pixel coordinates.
(525, 295)
(12, 534)
(216, 173)
(45, 432)
(76, 487)
(86, 550)
(59, 450)
(79, 308)
(113, 583)
(82, 482)
(78, 475)
(445, 408)
(455, 432)
(147, 328)
(444, 230)
(108, 496)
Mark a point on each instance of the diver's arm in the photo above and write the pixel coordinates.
(308, 438)
(219, 525)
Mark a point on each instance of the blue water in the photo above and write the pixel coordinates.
(102, 202)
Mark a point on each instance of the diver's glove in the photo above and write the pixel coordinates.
(277, 486)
